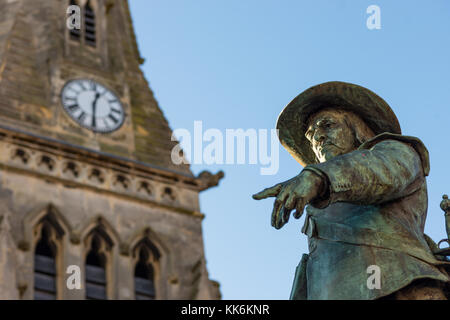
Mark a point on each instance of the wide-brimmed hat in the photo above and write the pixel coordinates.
(292, 121)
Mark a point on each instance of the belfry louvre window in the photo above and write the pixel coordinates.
(144, 273)
(75, 34)
(45, 267)
(89, 23)
(95, 270)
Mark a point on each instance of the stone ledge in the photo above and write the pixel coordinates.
(84, 168)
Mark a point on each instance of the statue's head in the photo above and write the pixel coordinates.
(331, 119)
(332, 132)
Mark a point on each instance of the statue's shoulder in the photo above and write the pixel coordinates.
(414, 142)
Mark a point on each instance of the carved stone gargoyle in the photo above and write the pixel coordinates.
(208, 180)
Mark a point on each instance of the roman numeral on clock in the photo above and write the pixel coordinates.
(73, 89)
(93, 85)
(114, 119)
(74, 107)
(82, 117)
(83, 88)
(105, 124)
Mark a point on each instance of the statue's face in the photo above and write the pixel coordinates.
(330, 135)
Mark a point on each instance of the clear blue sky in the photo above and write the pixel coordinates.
(236, 64)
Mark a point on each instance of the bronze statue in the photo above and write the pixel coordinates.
(365, 193)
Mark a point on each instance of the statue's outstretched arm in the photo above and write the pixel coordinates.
(391, 169)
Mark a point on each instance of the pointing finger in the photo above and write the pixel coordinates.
(268, 192)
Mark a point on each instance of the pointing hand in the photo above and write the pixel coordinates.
(295, 193)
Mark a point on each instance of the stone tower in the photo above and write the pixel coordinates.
(88, 190)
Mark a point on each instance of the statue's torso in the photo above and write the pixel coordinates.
(345, 239)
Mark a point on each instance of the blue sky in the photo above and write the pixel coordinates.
(236, 64)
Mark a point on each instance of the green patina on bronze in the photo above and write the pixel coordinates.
(365, 193)
(292, 121)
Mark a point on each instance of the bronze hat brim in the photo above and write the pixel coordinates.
(292, 121)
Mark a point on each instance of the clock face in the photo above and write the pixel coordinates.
(92, 105)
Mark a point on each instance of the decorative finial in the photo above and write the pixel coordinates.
(445, 204)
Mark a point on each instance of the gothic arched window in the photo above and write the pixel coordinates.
(96, 261)
(75, 34)
(45, 264)
(144, 272)
(89, 25)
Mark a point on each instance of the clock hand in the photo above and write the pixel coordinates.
(94, 109)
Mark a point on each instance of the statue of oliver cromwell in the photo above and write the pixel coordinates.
(365, 193)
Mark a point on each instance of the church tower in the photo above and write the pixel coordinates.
(88, 190)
